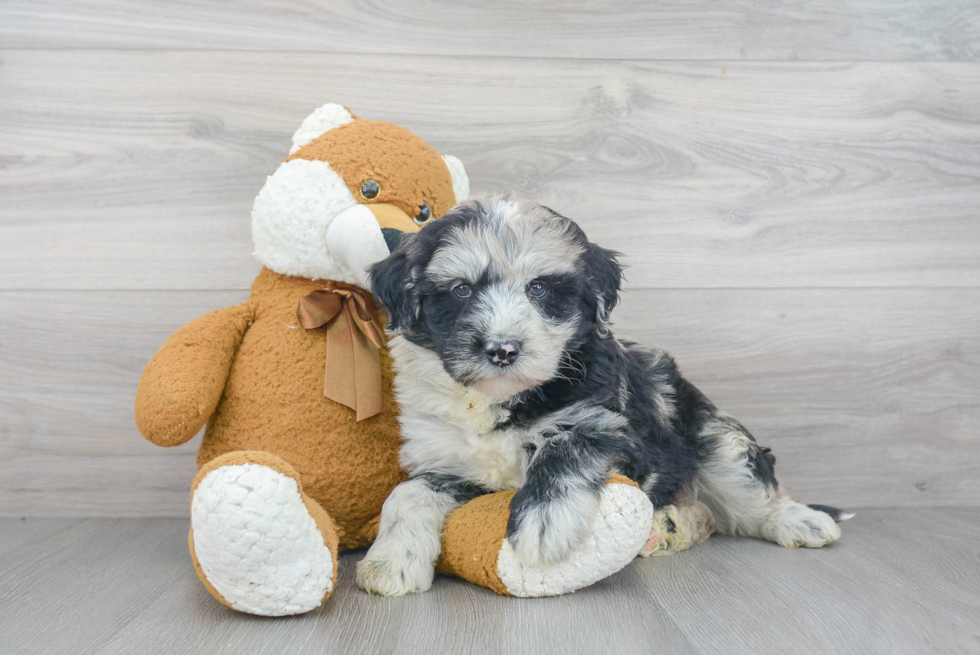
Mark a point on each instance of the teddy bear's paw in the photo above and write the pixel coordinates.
(390, 573)
(257, 543)
(621, 527)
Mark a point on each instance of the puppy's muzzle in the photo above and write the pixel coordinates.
(503, 353)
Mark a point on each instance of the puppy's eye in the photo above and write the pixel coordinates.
(424, 215)
(370, 189)
(463, 291)
(537, 289)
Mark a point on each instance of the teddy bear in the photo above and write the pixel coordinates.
(294, 386)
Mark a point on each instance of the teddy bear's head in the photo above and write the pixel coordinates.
(348, 190)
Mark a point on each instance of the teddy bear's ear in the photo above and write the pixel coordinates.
(322, 120)
(461, 181)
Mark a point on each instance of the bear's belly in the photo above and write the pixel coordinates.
(274, 402)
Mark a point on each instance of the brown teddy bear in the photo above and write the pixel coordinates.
(301, 445)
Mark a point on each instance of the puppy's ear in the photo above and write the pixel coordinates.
(605, 276)
(393, 286)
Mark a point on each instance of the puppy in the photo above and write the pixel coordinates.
(509, 378)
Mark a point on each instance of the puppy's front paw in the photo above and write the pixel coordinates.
(544, 532)
(390, 572)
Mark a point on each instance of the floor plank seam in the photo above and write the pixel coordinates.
(462, 56)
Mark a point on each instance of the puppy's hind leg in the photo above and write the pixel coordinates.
(678, 527)
(737, 481)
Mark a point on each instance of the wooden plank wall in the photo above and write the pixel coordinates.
(796, 187)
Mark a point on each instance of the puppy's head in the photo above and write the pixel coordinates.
(501, 290)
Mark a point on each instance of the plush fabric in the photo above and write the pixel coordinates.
(292, 216)
(408, 171)
(182, 384)
(322, 120)
(268, 372)
(474, 545)
(259, 537)
(273, 401)
(472, 540)
(288, 477)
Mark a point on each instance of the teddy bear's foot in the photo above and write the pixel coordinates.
(475, 547)
(259, 544)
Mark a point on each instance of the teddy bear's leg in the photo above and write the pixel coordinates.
(475, 548)
(259, 544)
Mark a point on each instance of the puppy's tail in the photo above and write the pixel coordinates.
(834, 512)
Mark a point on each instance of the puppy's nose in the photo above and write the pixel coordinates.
(503, 354)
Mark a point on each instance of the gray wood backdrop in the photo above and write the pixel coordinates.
(796, 187)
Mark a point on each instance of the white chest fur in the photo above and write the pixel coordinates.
(449, 428)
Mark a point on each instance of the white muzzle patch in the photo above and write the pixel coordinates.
(354, 240)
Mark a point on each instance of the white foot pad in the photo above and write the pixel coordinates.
(621, 528)
(256, 542)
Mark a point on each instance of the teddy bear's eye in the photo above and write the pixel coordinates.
(370, 189)
(424, 215)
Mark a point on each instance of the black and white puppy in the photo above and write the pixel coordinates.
(508, 378)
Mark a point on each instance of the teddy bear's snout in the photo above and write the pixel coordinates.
(390, 217)
(392, 237)
(394, 223)
(363, 235)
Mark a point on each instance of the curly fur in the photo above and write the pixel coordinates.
(572, 405)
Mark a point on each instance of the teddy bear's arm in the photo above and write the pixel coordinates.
(182, 384)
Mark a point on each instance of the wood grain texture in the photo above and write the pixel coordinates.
(795, 187)
(70, 445)
(899, 581)
(138, 170)
(888, 586)
(667, 29)
(869, 397)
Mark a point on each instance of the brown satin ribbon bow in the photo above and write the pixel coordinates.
(354, 337)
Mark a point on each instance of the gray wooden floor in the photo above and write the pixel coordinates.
(795, 187)
(898, 581)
